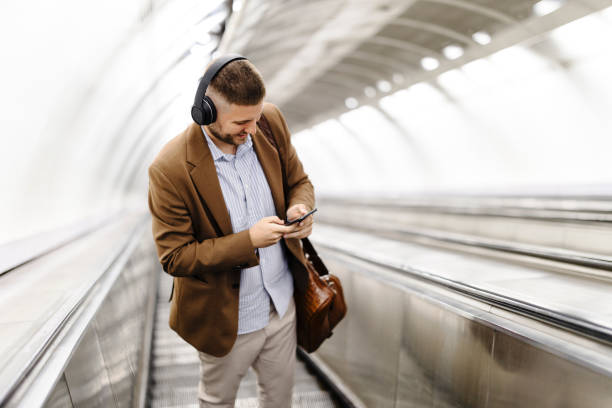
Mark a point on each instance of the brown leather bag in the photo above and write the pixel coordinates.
(321, 305)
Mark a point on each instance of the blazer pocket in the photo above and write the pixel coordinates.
(197, 300)
(193, 291)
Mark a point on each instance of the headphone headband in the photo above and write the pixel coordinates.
(203, 110)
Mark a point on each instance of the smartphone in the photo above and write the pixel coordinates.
(302, 218)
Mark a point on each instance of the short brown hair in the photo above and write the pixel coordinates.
(240, 83)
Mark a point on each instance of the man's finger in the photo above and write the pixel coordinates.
(284, 229)
(298, 210)
(302, 233)
(308, 221)
(274, 219)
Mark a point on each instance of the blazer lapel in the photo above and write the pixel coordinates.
(205, 179)
(270, 163)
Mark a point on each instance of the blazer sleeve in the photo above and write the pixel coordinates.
(179, 253)
(300, 189)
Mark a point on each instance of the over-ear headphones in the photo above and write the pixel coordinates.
(203, 110)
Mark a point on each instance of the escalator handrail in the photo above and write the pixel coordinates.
(17, 253)
(525, 207)
(21, 364)
(556, 318)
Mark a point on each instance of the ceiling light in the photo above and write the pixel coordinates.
(544, 7)
(452, 52)
(351, 103)
(482, 37)
(369, 92)
(383, 86)
(429, 63)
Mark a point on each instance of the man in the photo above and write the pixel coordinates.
(217, 203)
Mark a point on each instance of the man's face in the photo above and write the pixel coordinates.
(235, 122)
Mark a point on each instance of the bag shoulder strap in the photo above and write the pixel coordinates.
(264, 125)
(313, 257)
(307, 247)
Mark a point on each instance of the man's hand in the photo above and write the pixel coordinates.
(304, 228)
(268, 231)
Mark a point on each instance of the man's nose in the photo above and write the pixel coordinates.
(251, 127)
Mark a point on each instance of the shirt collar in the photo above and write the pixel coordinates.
(217, 154)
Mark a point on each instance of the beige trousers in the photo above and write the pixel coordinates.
(271, 352)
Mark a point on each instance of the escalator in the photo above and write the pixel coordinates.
(175, 370)
(448, 307)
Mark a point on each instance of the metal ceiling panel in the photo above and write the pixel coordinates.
(313, 55)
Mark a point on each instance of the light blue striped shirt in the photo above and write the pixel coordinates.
(248, 199)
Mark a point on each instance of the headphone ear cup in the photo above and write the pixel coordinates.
(196, 115)
(203, 110)
(209, 111)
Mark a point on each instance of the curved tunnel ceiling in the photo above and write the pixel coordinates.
(314, 55)
(90, 91)
(113, 82)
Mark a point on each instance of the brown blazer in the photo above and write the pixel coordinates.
(193, 231)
